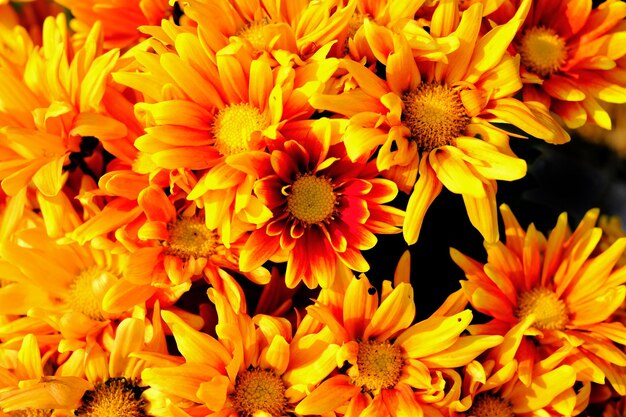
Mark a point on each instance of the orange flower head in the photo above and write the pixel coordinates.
(433, 117)
(558, 293)
(382, 352)
(570, 60)
(325, 208)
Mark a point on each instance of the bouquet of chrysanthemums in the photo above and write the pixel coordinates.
(199, 197)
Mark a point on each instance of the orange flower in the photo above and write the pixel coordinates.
(568, 57)
(324, 208)
(56, 107)
(436, 118)
(558, 292)
(253, 368)
(387, 366)
(219, 111)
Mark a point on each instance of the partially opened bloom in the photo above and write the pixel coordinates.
(564, 290)
(569, 51)
(56, 104)
(386, 366)
(325, 208)
(437, 118)
(254, 368)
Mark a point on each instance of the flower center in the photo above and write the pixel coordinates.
(259, 392)
(234, 126)
(550, 312)
(542, 50)
(487, 405)
(253, 33)
(116, 397)
(189, 237)
(30, 412)
(88, 289)
(379, 364)
(435, 115)
(312, 199)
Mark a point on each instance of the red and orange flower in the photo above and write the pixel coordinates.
(325, 208)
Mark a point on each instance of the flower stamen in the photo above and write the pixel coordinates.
(189, 237)
(435, 115)
(542, 51)
(311, 199)
(259, 392)
(550, 311)
(379, 365)
(87, 291)
(488, 405)
(116, 397)
(234, 127)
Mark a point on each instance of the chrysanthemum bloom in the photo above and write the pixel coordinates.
(173, 245)
(214, 117)
(26, 386)
(121, 20)
(388, 366)
(569, 291)
(298, 27)
(81, 290)
(325, 208)
(253, 368)
(106, 380)
(57, 110)
(568, 57)
(437, 118)
(491, 384)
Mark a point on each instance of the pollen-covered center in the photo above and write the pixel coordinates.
(88, 289)
(234, 126)
(30, 412)
(259, 392)
(487, 405)
(116, 397)
(550, 312)
(542, 50)
(189, 237)
(379, 365)
(253, 33)
(434, 114)
(312, 199)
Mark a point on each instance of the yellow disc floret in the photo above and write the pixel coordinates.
(379, 365)
(312, 199)
(253, 33)
(116, 397)
(550, 311)
(435, 115)
(234, 126)
(487, 405)
(87, 291)
(189, 237)
(542, 50)
(259, 392)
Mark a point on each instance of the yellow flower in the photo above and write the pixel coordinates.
(55, 106)
(255, 367)
(386, 365)
(218, 113)
(558, 291)
(436, 119)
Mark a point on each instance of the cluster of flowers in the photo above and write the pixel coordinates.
(259, 146)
